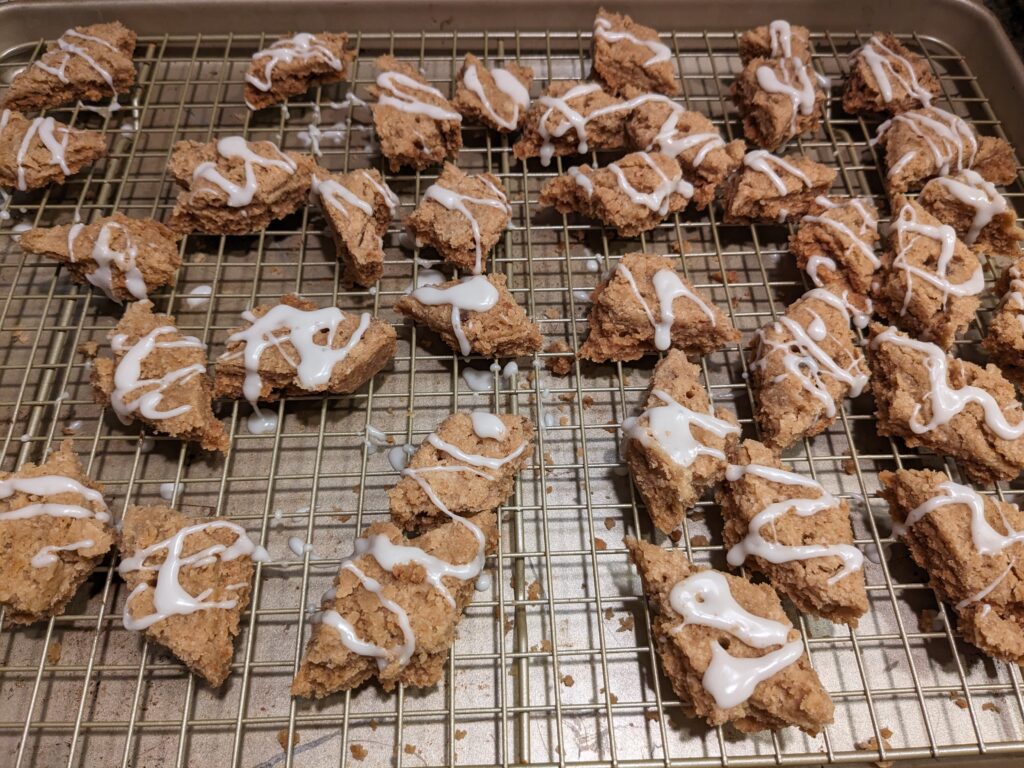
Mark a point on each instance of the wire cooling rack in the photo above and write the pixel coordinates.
(554, 665)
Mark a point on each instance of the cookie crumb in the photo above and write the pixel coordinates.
(533, 592)
(89, 348)
(652, 716)
(988, 706)
(850, 467)
(625, 624)
(282, 739)
(410, 749)
(359, 752)
(600, 544)
(609, 523)
(700, 540)
(608, 613)
(588, 402)
(562, 364)
(960, 701)
(460, 735)
(567, 681)
(53, 652)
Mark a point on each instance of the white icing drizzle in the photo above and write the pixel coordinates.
(985, 591)
(794, 83)
(754, 542)
(472, 458)
(337, 195)
(471, 294)
(761, 160)
(907, 230)
(857, 242)
(301, 327)
(945, 401)
(390, 96)
(70, 50)
(657, 199)
(659, 51)
(46, 556)
(170, 598)
(44, 129)
(301, 47)
(670, 427)
(781, 36)
(981, 195)
(668, 287)
(52, 485)
(128, 375)
(1013, 299)
(505, 82)
(670, 142)
(886, 65)
(236, 147)
(949, 138)
(488, 425)
(106, 257)
(987, 540)
(705, 599)
(456, 201)
(806, 360)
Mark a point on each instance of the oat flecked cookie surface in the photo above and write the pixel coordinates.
(497, 97)
(768, 188)
(37, 152)
(630, 58)
(983, 219)
(774, 41)
(290, 66)
(698, 653)
(885, 76)
(778, 99)
(90, 63)
(54, 530)
(157, 375)
(1004, 339)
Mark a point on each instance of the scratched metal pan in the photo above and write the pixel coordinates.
(554, 664)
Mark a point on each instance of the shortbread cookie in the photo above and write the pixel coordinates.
(629, 58)
(709, 627)
(295, 347)
(778, 99)
(90, 63)
(158, 376)
(468, 463)
(189, 583)
(290, 66)
(886, 77)
(54, 530)
(394, 608)
(359, 207)
(676, 449)
(632, 195)
(796, 533)
(461, 217)
(42, 151)
(769, 188)
(498, 97)
(982, 217)
(1004, 340)
(955, 408)
(929, 281)
(125, 258)
(474, 315)
(416, 125)
(645, 306)
(777, 40)
(971, 547)
(802, 367)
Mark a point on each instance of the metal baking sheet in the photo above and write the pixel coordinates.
(554, 665)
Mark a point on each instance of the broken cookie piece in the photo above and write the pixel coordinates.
(970, 545)
(886, 77)
(1004, 340)
(727, 646)
(394, 607)
(234, 187)
(632, 195)
(982, 217)
(475, 314)
(416, 125)
(358, 206)
(929, 281)
(125, 258)
(630, 58)
(777, 40)
(796, 533)
(496, 97)
(769, 188)
(645, 306)
(676, 449)
(802, 367)
(570, 118)
(54, 530)
(778, 99)
(295, 347)
(42, 151)
(922, 143)
(189, 581)
(468, 464)
(89, 63)
(292, 65)
(461, 217)
(158, 376)
(955, 408)
(836, 248)
(660, 125)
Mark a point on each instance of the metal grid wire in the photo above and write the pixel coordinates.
(554, 664)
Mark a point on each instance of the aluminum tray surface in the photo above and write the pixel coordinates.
(554, 663)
